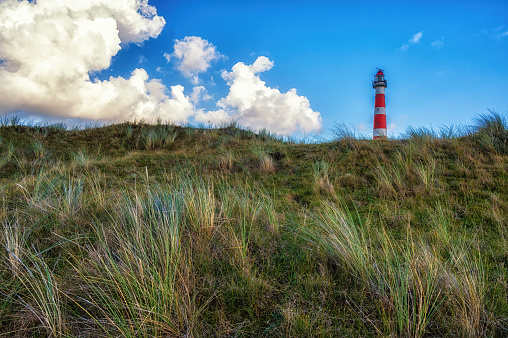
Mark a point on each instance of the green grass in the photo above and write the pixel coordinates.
(410, 279)
(160, 230)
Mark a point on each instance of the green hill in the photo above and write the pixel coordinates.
(158, 230)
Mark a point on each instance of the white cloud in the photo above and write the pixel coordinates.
(48, 49)
(193, 55)
(199, 94)
(251, 103)
(414, 40)
(161, 70)
(416, 37)
(438, 43)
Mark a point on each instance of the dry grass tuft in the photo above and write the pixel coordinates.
(266, 164)
(322, 177)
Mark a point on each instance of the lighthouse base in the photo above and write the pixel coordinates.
(380, 134)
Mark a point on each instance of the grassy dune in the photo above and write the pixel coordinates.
(143, 230)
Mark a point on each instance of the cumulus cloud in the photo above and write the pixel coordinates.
(49, 48)
(199, 93)
(193, 55)
(414, 40)
(255, 105)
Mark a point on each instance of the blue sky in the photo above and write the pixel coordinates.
(445, 61)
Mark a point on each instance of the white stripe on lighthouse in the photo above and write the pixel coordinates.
(379, 132)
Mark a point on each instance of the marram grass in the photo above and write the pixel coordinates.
(411, 279)
(216, 232)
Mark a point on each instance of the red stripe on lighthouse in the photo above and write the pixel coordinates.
(379, 121)
(380, 101)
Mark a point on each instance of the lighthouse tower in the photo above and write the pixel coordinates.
(379, 84)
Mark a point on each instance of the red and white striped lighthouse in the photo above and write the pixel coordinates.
(379, 84)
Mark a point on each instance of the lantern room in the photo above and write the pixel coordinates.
(379, 79)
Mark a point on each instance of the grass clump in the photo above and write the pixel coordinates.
(43, 299)
(322, 177)
(136, 270)
(411, 280)
(7, 155)
(157, 136)
(491, 130)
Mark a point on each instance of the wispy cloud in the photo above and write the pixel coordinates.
(414, 40)
(496, 33)
(500, 32)
(438, 43)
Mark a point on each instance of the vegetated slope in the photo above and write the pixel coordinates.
(139, 230)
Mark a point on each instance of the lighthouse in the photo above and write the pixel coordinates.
(379, 84)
